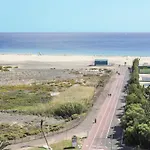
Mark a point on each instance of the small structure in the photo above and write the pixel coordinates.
(100, 62)
(74, 141)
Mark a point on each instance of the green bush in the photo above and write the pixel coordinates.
(1, 67)
(74, 116)
(136, 119)
(68, 109)
(5, 69)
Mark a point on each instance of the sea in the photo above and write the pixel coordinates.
(55, 43)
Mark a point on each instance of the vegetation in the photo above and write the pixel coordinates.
(5, 68)
(75, 96)
(38, 148)
(16, 67)
(136, 120)
(3, 144)
(36, 99)
(13, 97)
(69, 102)
(65, 144)
(12, 132)
(73, 101)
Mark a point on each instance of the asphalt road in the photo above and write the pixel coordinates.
(101, 134)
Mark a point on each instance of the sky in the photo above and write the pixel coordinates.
(74, 15)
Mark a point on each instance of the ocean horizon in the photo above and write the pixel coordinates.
(108, 44)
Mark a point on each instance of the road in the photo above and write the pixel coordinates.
(98, 137)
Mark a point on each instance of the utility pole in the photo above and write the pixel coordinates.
(44, 135)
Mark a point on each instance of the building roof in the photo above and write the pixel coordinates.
(101, 60)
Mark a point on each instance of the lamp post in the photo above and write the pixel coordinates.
(44, 135)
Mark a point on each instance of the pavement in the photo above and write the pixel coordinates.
(103, 110)
(101, 135)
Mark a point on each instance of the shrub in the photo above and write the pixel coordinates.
(5, 69)
(1, 67)
(74, 116)
(68, 109)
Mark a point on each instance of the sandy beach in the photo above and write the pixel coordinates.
(76, 59)
(32, 68)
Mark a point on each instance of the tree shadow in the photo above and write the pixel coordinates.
(117, 131)
(69, 148)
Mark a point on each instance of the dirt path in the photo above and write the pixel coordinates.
(82, 130)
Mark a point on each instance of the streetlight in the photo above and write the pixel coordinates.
(44, 135)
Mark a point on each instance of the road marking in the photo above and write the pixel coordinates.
(107, 117)
(107, 105)
(101, 119)
(112, 116)
(115, 106)
(116, 102)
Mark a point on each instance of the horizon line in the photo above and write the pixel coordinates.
(71, 32)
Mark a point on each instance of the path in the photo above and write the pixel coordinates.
(98, 135)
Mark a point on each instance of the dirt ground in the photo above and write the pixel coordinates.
(25, 119)
(29, 72)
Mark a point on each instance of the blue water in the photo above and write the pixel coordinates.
(137, 44)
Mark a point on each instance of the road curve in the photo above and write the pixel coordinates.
(100, 129)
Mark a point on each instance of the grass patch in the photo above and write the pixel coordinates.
(16, 67)
(96, 80)
(38, 148)
(74, 100)
(12, 132)
(61, 145)
(23, 96)
(17, 98)
(36, 99)
(75, 96)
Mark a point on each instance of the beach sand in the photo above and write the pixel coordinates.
(64, 59)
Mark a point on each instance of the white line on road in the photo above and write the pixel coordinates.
(101, 120)
(114, 109)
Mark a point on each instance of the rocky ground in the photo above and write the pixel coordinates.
(26, 119)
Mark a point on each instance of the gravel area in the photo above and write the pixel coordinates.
(25, 119)
(30, 72)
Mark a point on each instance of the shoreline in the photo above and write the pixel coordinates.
(88, 59)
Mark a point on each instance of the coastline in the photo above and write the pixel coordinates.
(15, 58)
